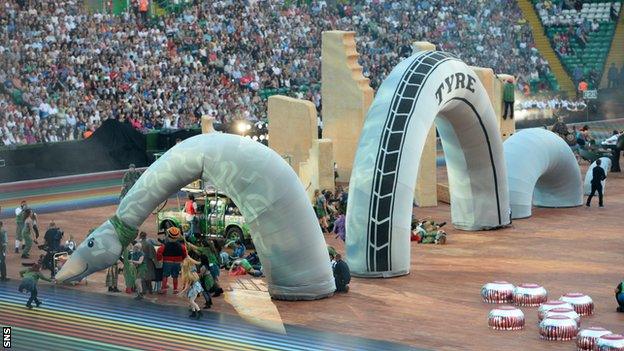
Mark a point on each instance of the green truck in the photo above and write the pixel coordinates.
(218, 216)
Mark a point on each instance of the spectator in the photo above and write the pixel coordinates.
(613, 76)
(65, 71)
(582, 88)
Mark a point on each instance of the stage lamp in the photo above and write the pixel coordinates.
(255, 138)
(262, 137)
(241, 127)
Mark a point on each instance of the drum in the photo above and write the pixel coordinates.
(506, 318)
(558, 327)
(564, 311)
(497, 292)
(529, 295)
(583, 304)
(586, 339)
(610, 342)
(549, 305)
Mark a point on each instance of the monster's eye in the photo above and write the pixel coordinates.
(90, 243)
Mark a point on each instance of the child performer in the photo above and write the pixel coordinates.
(191, 287)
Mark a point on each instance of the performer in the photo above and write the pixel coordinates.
(27, 231)
(150, 258)
(171, 253)
(129, 271)
(619, 296)
(191, 286)
(129, 178)
(4, 244)
(19, 221)
(112, 277)
(140, 266)
(341, 274)
(509, 98)
(598, 175)
(29, 283)
(190, 208)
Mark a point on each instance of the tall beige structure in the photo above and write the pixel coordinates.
(425, 193)
(293, 134)
(494, 86)
(346, 95)
(317, 172)
(292, 128)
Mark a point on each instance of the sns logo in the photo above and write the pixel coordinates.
(6, 337)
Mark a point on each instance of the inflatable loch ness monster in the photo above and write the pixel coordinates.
(267, 192)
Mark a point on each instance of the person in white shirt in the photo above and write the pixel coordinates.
(612, 140)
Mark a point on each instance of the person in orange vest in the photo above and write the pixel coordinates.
(190, 208)
(582, 87)
(143, 7)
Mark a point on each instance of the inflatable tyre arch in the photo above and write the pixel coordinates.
(429, 86)
(542, 171)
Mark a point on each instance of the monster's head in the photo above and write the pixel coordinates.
(100, 250)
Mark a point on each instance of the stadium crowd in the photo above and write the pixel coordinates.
(63, 71)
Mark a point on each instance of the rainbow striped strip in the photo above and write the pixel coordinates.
(75, 320)
(62, 193)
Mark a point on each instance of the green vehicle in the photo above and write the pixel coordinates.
(218, 216)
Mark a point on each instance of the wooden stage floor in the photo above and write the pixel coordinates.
(438, 305)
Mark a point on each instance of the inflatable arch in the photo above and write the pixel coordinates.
(283, 224)
(542, 170)
(427, 86)
(606, 165)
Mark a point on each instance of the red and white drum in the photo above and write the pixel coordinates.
(529, 295)
(583, 304)
(610, 342)
(586, 339)
(549, 305)
(558, 327)
(497, 292)
(564, 311)
(506, 318)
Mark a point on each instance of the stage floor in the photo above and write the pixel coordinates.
(438, 305)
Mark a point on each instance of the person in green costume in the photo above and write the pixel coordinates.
(129, 178)
(207, 254)
(30, 277)
(27, 232)
(509, 98)
(247, 267)
(129, 272)
(137, 257)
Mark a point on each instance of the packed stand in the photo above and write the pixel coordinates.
(64, 71)
(581, 33)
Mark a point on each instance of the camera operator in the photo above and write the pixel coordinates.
(52, 246)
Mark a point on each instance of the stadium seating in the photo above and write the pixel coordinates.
(593, 55)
